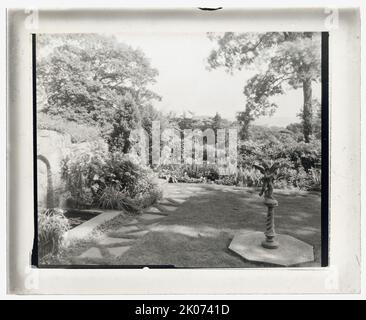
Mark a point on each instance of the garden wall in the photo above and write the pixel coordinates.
(52, 148)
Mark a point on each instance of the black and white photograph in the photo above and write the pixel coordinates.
(182, 153)
(180, 150)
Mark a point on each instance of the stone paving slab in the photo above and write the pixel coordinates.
(161, 213)
(106, 241)
(179, 197)
(131, 222)
(138, 234)
(118, 251)
(126, 236)
(166, 202)
(152, 226)
(92, 253)
(167, 208)
(152, 210)
(127, 229)
(176, 200)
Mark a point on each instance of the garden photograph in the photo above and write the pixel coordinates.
(179, 150)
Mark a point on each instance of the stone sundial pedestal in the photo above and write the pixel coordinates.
(270, 242)
(269, 247)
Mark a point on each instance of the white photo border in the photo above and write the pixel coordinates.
(343, 273)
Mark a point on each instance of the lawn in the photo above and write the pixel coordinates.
(197, 231)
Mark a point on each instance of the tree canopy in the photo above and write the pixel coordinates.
(283, 60)
(95, 80)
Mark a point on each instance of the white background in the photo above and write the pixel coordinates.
(108, 3)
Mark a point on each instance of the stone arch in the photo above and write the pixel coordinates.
(50, 201)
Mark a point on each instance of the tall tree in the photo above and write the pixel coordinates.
(283, 60)
(94, 80)
(218, 122)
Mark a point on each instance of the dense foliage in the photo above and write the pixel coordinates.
(52, 225)
(95, 81)
(288, 60)
(111, 181)
(189, 173)
(300, 162)
(93, 86)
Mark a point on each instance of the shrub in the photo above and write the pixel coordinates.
(307, 155)
(109, 180)
(227, 180)
(188, 173)
(299, 161)
(111, 198)
(78, 173)
(147, 199)
(251, 177)
(187, 179)
(293, 154)
(315, 180)
(309, 180)
(210, 172)
(52, 225)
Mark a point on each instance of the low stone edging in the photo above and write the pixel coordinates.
(83, 230)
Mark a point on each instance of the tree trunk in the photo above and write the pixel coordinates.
(246, 119)
(307, 113)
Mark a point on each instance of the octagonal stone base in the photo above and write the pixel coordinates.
(291, 251)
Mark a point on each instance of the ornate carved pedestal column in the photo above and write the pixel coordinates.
(270, 242)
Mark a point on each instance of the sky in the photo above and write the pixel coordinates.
(185, 84)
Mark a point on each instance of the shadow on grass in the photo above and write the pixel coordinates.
(199, 231)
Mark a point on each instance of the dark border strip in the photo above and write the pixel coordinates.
(34, 258)
(325, 151)
(112, 266)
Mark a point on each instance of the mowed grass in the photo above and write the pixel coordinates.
(197, 234)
